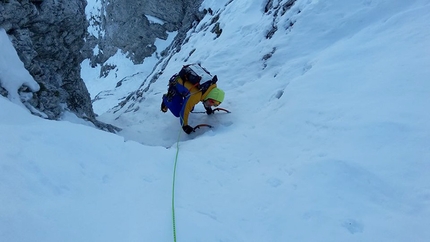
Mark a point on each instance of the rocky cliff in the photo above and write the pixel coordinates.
(48, 36)
(129, 26)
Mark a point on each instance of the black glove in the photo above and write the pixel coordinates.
(163, 107)
(209, 111)
(188, 129)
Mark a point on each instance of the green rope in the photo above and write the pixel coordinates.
(173, 187)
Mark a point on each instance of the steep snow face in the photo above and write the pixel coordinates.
(327, 139)
(270, 45)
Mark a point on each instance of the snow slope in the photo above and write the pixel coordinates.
(328, 139)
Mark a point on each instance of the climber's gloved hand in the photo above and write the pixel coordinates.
(209, 111)
(163, 107)
(188, 129)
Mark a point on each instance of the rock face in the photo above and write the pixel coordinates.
(48, 36)
(133, 26)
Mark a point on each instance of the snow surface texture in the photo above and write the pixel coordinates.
(328, 139)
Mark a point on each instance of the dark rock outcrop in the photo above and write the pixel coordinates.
(128, 25)
(48, 36)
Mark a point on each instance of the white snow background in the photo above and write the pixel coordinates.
(328, 139)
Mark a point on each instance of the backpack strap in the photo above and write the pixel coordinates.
(173, 80)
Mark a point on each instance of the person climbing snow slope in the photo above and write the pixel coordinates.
(193, 84)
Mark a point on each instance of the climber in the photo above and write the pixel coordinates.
(193, 84)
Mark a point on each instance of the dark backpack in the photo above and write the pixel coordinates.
(194, 74)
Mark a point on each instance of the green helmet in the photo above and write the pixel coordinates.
(216, 94)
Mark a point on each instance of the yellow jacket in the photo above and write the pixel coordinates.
(195, 96)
